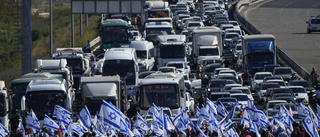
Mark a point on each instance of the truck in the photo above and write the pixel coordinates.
(77, 61)
(42, 95)
(108, 88)
(114, 33)
(170, 48)
(122, 62)
(5, 106)
(156, 9)
(19, 86)
(257, 51)
(166, 90)
(206, 43)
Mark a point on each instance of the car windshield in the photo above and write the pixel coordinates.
(266, 86)
(300, 83)
(298, 90)
(229, 36)
(217, 84)
(240, 97)
(141, 54)
(209, 52)
(282, 71)
(315, 21)
(194, 24)
(177, 65)
(75, 64)
(261, 76)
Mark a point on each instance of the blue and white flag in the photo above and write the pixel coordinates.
(63, 128)
(303, 112)
(85, 117)
(99, 134)
(111, 115)
(251, 107)
(167, 124)
(317, 121)
(21, 128)
(199, 117)
(260, 118)
(62, 115)
(124, 128)
(76, 129)
(310, 126)
(212, 107)
(94, 122)
(156, 128)
(140, 124)
(213, 124)
(32, 121)
(204, 112)
(3, 131)
(245, 120)
(180, 124)
(224, 124)
(137, 133)
(49, 123)
(318, 110)
(201, 134)
(284, 117)
(255, 129)
(232, 133)
(230, 114)
(221, 110)
(154, 112)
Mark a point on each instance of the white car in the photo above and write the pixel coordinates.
(300, 93)
(313, 24)
(258, 78)
(245, 90)
(180, 66)
(229, 71)
(189, 103)
(241, 97)
(230, 86)
(272, 103)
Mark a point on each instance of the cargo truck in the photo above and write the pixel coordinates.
(258, 50)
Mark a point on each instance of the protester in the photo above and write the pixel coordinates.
(88, 47)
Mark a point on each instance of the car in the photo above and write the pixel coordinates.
(189, 104)
(272, 103)
(300, 93)
(284, 72)
(277, 91)
(270, 67)
(217, 85)
(245, 90)
(229, 77)
(289, 99)
(235, 41)
(168, 69)
(271, 113)
(258, 77)
(208, 71)
(280, 82)
(180, 66)
(233, 91)
(228, 38)
(263, 90)
(313, 24)
(288, 106)
(228, 71)
(214, 96)
(230, 86)
(265, 79)
(237, 51)
(144, 74)
(306, 84)
(208, 61)
(239, 61)
(217, 70)
(241, 97)
(281, 95)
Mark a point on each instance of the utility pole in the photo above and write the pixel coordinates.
(86, 20)
(72, 30)
(26, 37)
(80, 24)
(51, 44)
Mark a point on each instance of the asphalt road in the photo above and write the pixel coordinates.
(286, 20)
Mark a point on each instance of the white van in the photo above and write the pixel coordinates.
(145, 54)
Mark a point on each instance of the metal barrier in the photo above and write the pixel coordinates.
(95, 43)
(287, 59)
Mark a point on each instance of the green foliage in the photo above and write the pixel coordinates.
(36, 34)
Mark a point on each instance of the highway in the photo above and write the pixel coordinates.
(286, 20)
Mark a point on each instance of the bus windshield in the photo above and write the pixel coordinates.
(124, 68)
(2, 105)
(75, 64)
(209, 52)
(141, 54)
(162, 95)
(261, 58)
(172, 51)
(114, 34)
(19, 90)
(43, 102)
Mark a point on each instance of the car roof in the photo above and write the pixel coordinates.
(260, 73)
(272, 101)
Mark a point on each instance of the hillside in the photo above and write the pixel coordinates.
(10, 57)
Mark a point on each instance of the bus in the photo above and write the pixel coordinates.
(165, 90)
(114, 33)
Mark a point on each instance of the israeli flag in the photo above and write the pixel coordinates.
(212, 107)
(230, 114)
(32, 121)
(140, 124)
(99, 134)
(49, 123)
(199, 117)
(318, 110)
(221, 110)
(255, 129)
(62, 115)
(94, 122)
(3, 131)
(124, 128)
(137, 133)
(111, 115)
(180, 124)
(167, 124)
(251, 107)
(245, 120)
(224, 124)
(310, 126)
(317, 121)
(21, 128)
(284, 117)
(204, 112)
(85, 117)
(76, 129)
(154, 111)
(260, 118)
(156, 129)
(63, 128)
(213, 124)
(232, 133)
(303, 112)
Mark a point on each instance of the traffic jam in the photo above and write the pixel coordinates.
(183, 68)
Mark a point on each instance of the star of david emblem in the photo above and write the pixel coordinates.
(112, 116)
(309, 121)
(142, 125)
(50, 123)
(85, 117)
(180, 126)
(263, 117)
(35, 122)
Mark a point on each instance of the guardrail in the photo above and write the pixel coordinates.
(287, 59)
(95, 43)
